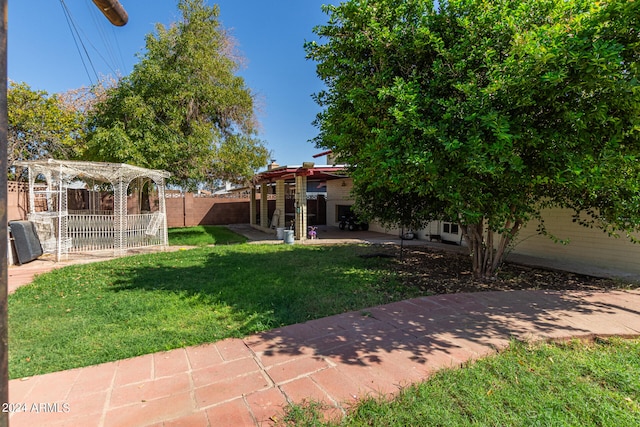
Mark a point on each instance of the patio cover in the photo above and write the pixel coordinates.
(299, 175)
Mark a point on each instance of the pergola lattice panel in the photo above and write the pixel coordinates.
(62, 231)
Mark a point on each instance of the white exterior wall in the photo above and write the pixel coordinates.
(436, 228)
(374, 226)
(338, 193)
(587, 246)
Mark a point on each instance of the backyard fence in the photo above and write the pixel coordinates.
(188, 209)
(183, 210)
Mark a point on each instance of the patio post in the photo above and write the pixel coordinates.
(252, 206)
(163, 210)
(32, 184)
(264, 206)
(301, 207)
(280, 204)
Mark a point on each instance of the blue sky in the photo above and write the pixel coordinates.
(270, 35)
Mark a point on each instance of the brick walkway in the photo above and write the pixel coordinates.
(246, 382)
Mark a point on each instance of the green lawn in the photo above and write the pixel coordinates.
(572, 384)
(87, 314)
(203, 235)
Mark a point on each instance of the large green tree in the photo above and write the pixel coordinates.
(182, 108)
(41, 125)
(484, 112)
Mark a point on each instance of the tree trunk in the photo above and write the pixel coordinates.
(486, 256)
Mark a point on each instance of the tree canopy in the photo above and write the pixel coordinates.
(41, 125)
(182, 108)
(485, 112)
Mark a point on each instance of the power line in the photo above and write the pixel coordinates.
(114, 54)
(76, 38)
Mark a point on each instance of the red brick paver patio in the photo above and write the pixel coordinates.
(248, 382)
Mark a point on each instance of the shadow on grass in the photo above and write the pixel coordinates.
(295, 285)
(87, 314)
(340, 307)
(384, 348)
(277, 285)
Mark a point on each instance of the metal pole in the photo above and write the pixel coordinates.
(4, 264)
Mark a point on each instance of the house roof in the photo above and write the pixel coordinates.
(316, 173)
(324, 153)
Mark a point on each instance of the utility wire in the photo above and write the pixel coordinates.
(114, 54)
(76, 37)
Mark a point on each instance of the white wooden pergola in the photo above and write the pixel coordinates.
(90, 229)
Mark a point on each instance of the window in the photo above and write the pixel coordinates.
(450, 228)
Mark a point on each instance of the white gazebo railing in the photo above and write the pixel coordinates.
(125, 225)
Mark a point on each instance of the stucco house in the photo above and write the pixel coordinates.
(586, 247)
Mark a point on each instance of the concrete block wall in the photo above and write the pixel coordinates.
(338, 193)
(17, 201)
(588, 246)
(189, 211)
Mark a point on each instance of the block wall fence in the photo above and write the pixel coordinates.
(183, 210)
(186, 210)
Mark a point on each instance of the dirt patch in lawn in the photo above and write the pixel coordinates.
(443, 272)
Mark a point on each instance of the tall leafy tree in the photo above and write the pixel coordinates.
(485, 112)
(41, 125)
(182, 108)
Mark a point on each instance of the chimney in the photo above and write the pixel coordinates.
(330, 159)
(273, 165)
